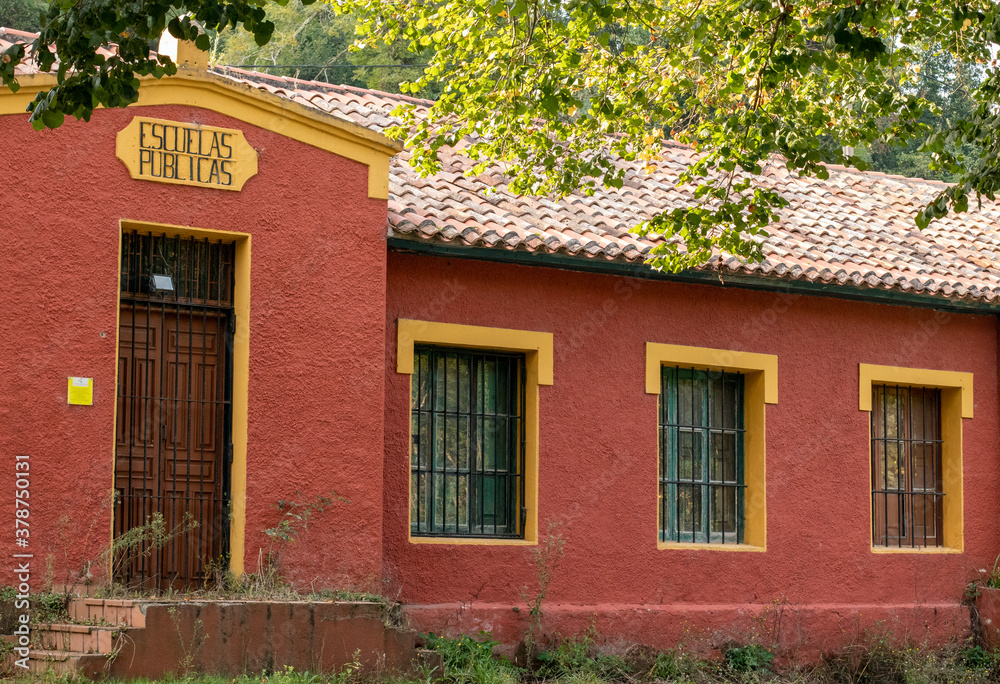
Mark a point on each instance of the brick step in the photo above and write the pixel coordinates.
(81, 645)
(50, 662)
(104, 612)
(76, 638)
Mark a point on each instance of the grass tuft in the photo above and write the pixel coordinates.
(468, 660)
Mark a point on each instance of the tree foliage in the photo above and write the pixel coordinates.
(948, 85)
(72, 33)
(560, 91)
(21, 14)
(565, 93)
(314, 37)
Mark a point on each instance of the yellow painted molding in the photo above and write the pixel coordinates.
(177, 153)
(930, 550)
(956, 404)
(687, 546)
(475, 337)
(913, 377)
(704, 358)
(241, 371)
(465, 541)
(109, 562)
(184, 53)
(760, 387)
(537, 348)
(251, 105)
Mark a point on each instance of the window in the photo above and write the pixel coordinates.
(915, 429)
(467, 452)
(711, 428)
(701, 456)
(906, 466)
(472, 458)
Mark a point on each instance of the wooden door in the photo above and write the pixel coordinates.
(137, 454)
(171, 440)
(172, 446)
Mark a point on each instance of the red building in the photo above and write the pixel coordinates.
(237, 292)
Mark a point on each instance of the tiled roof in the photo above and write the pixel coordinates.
(855, 229)
(10, 36)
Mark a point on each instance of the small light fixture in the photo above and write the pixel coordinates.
(160, 282)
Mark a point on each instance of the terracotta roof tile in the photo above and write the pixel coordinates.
(854, 228)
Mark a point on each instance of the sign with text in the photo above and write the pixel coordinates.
(186, 154)
(80, 391)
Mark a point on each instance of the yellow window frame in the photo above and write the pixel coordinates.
(760, 388)
(537, 348)
(956, 404)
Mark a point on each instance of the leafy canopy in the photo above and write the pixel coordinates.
(74, 30)
(559, 90)
(21, 14)
(318, 42)
(562, 92)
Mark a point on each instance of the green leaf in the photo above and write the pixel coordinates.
(52, 119)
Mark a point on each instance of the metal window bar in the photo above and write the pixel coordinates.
(467, 453)
(702, 488)
(907, 501)
(165, 404)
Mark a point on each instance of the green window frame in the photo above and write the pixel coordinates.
(702, 456)
(467, 443)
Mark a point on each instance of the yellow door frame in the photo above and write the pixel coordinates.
(241, 368)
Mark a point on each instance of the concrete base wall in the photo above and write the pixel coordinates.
(234, 638)
(799, 634)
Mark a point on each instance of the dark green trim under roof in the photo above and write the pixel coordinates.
(640, 270)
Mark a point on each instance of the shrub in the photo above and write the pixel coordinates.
(672, 665)
(882, 659)
(48, 608)
(578, 656)
(992, 578)
(468, 660)
(571, 655)
(976, 658)
(750, 658)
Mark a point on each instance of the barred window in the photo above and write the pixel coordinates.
(907, 495)
(467, 453)
(701, 456)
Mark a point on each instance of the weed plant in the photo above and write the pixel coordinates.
(749, 658)
(991, 578)
(45, 607)
(578, 659)
(875, 659)
(471, 661)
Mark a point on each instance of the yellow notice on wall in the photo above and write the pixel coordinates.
(80, 392)
(186, 154)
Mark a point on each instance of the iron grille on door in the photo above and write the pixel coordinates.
(467, 455)
(906, 466)
(174, 409)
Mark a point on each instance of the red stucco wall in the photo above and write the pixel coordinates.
(322, 375)
(316, 331)
(598, 450)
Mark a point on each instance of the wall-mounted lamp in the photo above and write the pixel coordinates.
(160, 282)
